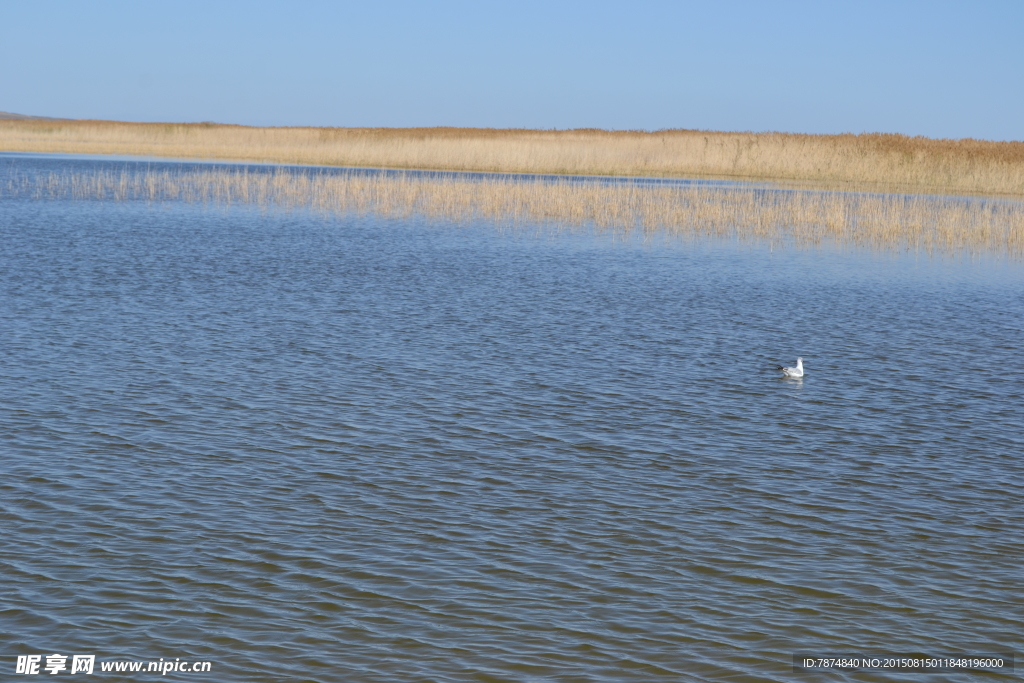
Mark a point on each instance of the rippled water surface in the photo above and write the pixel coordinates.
(355, 449)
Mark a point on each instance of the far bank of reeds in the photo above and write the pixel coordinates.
(874, 162)
(883, 221)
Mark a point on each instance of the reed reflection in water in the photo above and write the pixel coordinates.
(882, 221)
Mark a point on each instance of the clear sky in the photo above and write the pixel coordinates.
(940, 69)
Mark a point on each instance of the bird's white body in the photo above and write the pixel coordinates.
(798, 371)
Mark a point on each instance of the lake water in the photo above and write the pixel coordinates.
(357, 449)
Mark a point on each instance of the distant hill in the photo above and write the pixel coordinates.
(9, 115)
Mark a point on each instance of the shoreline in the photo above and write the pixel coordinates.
(861, 163)
(640, 181)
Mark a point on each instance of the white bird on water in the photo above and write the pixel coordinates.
(798, 371)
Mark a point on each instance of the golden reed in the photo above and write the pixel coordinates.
(892, 163)
(884, 221)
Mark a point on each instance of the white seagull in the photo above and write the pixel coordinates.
(798, 371)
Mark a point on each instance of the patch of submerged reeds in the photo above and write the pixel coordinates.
(886, 221)
(877, 162)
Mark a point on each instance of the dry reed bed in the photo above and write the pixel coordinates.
(900, 222)
(873, 161)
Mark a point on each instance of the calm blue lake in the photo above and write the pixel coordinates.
(357, 449)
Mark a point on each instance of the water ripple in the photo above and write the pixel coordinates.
(383, 450)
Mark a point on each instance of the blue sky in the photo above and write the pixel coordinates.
(918, 68)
